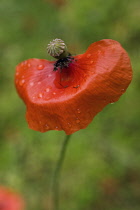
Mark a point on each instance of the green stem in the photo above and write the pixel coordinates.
(57, 172)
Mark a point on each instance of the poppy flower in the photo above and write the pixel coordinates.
(68, 93)
(10, 200)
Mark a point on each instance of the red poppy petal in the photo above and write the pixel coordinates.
(68, 99)
(10, 200)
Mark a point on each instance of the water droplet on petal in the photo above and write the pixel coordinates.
(17, 73)
(91, 62)
(21, 82)
(29, 65)
(88, 55)
(39, 83)
(23, 63)
(49, 75)
(40, 95)
(31, 84)
(47, 89)
(54, 93)
(56, 128)
(40, 67)
(78, 110)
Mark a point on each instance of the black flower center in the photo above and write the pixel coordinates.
(63, 63)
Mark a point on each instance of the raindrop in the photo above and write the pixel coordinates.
(49, 75)
(29, 65)
(31, 84)
(91, 62)
(78, 110)
(23, 63)
(47, 89)
(56, 127)
(54, 93)
(40, 67)
(17, 73)
(21, 82)
(40, 95)
(112, 103)
(39, 83)
(88, 55)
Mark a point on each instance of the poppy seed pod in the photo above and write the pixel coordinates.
(66, 94)
(10, 200)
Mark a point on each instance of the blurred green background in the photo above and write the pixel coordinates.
(102, 166)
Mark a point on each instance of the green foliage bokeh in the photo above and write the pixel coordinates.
(101, 169)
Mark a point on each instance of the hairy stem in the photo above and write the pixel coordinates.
(57, 173)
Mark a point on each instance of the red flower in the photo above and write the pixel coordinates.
(10, 200)
(66, 96)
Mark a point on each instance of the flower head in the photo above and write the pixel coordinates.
(57, 48)
(67, 94)
(10, 200)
